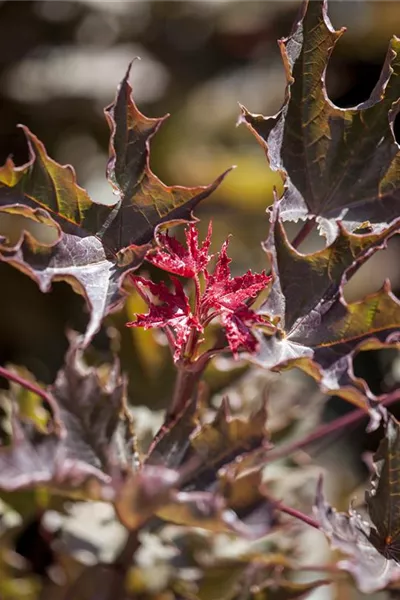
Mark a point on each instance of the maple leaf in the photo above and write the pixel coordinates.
(174, 311)
(335, 163)
(215, 490)
(374, 546)
(352, 535)
(144, 493)
(173, 257)
(222, 441)
(217, 443)
(383, 497)
(185, 462)
(86, 453)
(223, 296)
(279, 588)
(227, 297)
(37, 459)
(97, 245)
(317, 331)
(92, 408)
(212, 511)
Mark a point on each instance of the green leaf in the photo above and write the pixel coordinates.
(97, 245)
(335, 163)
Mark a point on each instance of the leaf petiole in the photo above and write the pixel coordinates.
(28, 385)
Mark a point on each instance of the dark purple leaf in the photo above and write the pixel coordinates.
(350, 534)
(97, 244)
(335, 163)
(383, 499)
(317, 330)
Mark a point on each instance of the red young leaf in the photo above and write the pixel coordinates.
(223, 293)
(174, 312)
(228, 298)
(238, 326)
(173, 257)
(224, 297)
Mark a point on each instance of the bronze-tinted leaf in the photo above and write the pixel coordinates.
(91, 407)
(142, 494)
(282, 589)
(214, 494)
(335, 163)
(172, 441)
(318, 331)
(214, 445)
(97, 244)
(383, 499)
(36, 459)
(351, 534)
(87, 448)
(145, 201)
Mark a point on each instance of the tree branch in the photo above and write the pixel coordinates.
(329, 428)
(28, 385)
(297, 514)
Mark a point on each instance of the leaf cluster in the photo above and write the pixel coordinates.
(203, 477)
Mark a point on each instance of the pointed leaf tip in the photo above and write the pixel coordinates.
(331, 159)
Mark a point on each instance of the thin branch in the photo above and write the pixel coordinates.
(297, 514)
(329, 428)
(32, 387)
(303, 233)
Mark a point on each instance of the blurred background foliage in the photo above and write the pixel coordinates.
(60, 64)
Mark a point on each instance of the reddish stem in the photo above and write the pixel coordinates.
(185, 383)
(28, 385)
(303, 233)
(170, 337)
(297, 514)
(329, 428)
